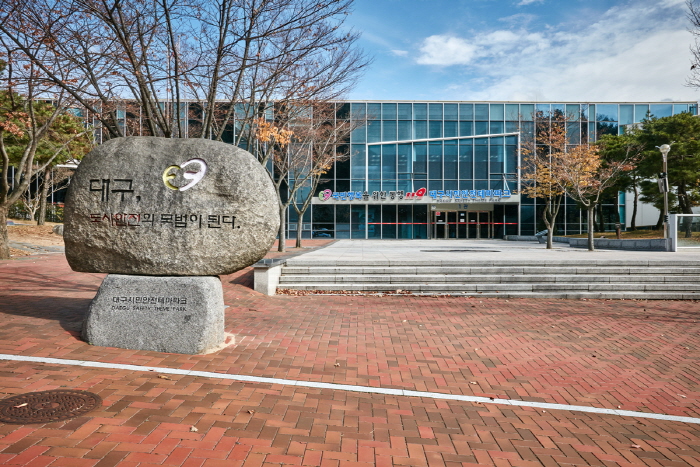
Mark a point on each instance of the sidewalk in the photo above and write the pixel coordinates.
(635, 356)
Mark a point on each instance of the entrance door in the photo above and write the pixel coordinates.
(462, 224)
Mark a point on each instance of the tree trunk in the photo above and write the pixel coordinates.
(298, 242)
(600, 227)
(633, 222)
(591, 216)
(45, 184)
(4, 239)
(282, 246)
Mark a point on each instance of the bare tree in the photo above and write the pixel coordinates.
(694, 17)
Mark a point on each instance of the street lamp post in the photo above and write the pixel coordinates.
(665, 148)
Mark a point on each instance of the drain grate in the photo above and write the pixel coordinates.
(47, 406)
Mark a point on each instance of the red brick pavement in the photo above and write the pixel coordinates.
(636, 355)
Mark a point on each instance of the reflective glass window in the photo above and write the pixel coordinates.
(573, 112)
(374, 131)
(512, 112)
(558, 111)
(404, 130)
(450, 129)
(466, 160)
(626, 114)
(527, 112)
(435, 129)
(679, 108)
(374, 162)
(497, 158)
(435, 160)
(388, 130)
(450, 165)
(374, 111)
(466, 128)
(388, 161)
(496, 112)
(693, 109)
(573, 133)
(512, 127)
(358, 161)
(606, 112)
(420, 129)
(404, 160)
(358, 111)
(606, 128)
(496, 127)
(420, 111)
(389, 111)
(661, 110)
(359, 135)
(420, 159)
(389, 221)
(466, 111)
(451, 112)
(481, 158)
(481, 111)
(405, 112)
(544, 109)
(435, 111)
(511, 159)
(481, 128)
(374, 216)
(640, 112)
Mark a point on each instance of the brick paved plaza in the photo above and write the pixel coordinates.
(639, 356)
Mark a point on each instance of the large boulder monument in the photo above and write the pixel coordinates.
(163, 218)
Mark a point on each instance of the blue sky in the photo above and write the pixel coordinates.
(542, 50)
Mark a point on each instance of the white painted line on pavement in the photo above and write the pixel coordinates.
(348, 387)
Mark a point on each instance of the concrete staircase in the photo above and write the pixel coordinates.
(621, 279)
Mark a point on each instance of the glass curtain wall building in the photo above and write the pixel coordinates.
(452, 169)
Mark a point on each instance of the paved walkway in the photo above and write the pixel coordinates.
(623, 356)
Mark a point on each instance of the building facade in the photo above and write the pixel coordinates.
(451, 170)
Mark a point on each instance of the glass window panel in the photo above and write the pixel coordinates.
(606, 128)
(405, 165)
(544, 109)
(661, 110)
(450, 129)
(405, 112)
(527, 112)
(374, 215)
(481, 111)
(466, 160)
(451, 185)
(511, 159)
(527, 214)
(435, 111)
(358, 185)
(420, 158)
(389, 185)
(420, 111)
(358, 221)
(404, 130)
(389, 221)
(342, 185)
(559, 110)
(693, 109)
(481, 161)
(527, 130)
(435, 129)
(450, 166)
(573, 133)
(374, 111)
(573, 112)
(374, 162)
(389, 111)
(374, 131)
(420, 129)
(374, 185)
(679, 108)
(626, 114)
(640, 112)
(358, 110)
(420, 221)
(481, 128)
(405, 219)
(496, 112)
(466, 184)
(481, 184)
(323, 213)
(466, 128)
(388, 161)
(591, 132)
(496, 127)
(342, 217)
(512, 112)
(497, 156)
(606, 112)
(466, 111)
(359, 135)
(435, 185)
(358, 161)
(512, 127)
(389, 130)
(435, 160)
(451, 111)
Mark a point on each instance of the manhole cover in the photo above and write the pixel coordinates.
(461, 251)
(47, 406)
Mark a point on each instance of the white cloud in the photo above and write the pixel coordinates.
(635, 51)
(529, 2)
(400, 53)
(446, 50)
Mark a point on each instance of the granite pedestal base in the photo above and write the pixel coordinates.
(162, 313)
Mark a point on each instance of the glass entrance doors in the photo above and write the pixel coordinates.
(462, 224)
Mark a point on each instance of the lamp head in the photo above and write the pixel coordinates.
(664, 148)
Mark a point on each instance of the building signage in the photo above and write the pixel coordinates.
(421, 195)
